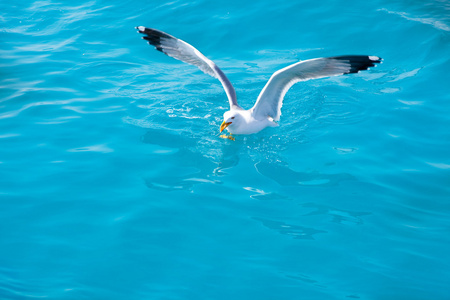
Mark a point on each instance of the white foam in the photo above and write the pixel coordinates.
(374, 58)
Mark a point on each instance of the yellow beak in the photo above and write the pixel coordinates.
(224, 125)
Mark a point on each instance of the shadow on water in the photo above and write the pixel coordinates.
(285, 176)
(186, 175)
(197, 155)
(187, 167)
(194, 161)
(188, 157)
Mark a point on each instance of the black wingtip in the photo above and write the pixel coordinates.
(154, 36)
(153, 32)
(359, 62)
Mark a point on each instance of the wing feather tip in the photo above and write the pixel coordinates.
(359, 62)
(141, 29)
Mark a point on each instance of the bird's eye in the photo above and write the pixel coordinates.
(232, 118)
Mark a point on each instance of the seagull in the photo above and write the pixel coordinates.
(267, 110)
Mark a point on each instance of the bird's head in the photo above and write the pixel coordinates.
(230, 119)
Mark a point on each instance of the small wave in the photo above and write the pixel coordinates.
(93, 148)
(427, 21)
(294, 231)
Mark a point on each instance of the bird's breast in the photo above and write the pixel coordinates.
(249, 127)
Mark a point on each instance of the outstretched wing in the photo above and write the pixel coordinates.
(181, 50)
(270, 99)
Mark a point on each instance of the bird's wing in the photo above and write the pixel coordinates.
(181, 50)
(270, 99)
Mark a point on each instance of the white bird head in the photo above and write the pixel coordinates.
(231, 118)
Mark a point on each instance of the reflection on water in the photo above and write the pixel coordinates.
(263, 195)
(338, 215)
(172, 183)
(229, 157)
(193, 162)
(295, 231)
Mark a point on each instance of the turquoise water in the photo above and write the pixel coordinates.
(115, 184)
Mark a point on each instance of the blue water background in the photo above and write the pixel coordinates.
(115, 185)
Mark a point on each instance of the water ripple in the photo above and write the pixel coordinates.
(53, 46)
(427, 21)
(115, 184)
(294, 231)
(93, 148)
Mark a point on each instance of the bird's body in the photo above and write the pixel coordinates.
(244, 121)
(267, 109)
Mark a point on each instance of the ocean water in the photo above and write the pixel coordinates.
(114, 183)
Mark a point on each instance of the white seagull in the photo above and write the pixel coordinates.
(267, 109)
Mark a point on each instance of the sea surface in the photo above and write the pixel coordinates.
(114, 183)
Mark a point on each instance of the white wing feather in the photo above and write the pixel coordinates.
(185, 52)
(270, 99)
